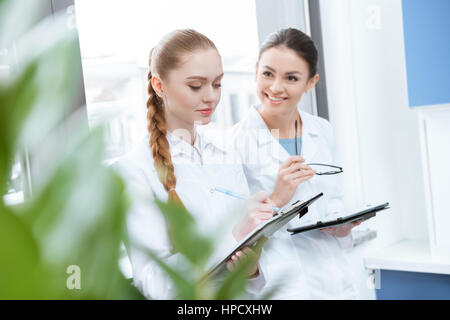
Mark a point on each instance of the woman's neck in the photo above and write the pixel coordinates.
(284, 122)
(180, 128)
(186, 132)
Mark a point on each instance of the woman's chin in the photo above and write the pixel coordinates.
(203, 121)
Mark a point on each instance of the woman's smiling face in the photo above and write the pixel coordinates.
(282, 77)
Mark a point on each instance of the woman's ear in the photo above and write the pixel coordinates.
(312, 82)
(157, 86)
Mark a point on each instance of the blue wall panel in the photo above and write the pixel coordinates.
(427, 48)
(396, 285)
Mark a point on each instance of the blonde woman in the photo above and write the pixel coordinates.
(178, 163)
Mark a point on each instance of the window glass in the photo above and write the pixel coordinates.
(117, 36)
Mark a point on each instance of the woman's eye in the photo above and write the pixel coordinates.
(292, 78)
(217, 85)
(267, 73)
(195, 88)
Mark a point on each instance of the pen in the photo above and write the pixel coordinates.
(230, 193)
(237, 196)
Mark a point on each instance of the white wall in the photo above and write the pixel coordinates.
(434, 122)
(377, 133)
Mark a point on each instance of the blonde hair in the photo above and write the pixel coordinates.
(164, 57)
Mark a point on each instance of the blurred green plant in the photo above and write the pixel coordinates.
(189, 278)
(76, 215)
(71, 228)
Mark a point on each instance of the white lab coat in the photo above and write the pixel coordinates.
(310, 265)
(198, 169)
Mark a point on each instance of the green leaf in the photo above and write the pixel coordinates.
(16, 18)
(19, 256)
(77, 213)
(79, 216)
(185, 237)
(185, 289)
(16, 102)
(234, 283)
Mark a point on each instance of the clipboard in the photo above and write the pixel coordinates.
(265, 229)
(364, 214)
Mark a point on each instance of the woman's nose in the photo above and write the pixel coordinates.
(276, 86)
(210, 95)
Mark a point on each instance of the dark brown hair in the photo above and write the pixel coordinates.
(296, 40)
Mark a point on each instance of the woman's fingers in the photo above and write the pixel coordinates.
(263, 216)
(248, 252)
(343, 230)
(264, 207)
(300, 176)
(259, 196)
(253, 205)
(290, 160)
(297, 167)
(259, 209)
(292, 169)
(302, 179)
(231, 263)
(234, 261)
(299, 173)
(270, 202)
(260, 202)
(240, 256)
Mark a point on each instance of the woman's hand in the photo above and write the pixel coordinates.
(291, 173)
(240, 257)
(342, 231)
(259, 209)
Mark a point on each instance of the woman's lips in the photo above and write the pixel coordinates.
(206, 112)
(274, 100)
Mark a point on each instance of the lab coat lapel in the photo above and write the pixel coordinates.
(309, 135)
(266, 140)
(308, 147)
(271, 146)
(276, 150)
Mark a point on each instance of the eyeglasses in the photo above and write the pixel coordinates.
(318, 167)
(325, 169)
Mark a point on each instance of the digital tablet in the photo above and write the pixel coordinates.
(364, 214)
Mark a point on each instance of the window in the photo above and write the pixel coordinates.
(116, 38)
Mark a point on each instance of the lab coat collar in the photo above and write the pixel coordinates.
(214, 138)
(178, 146)
(202, 142)
(309, 132)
